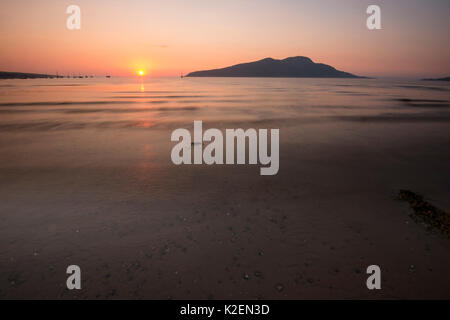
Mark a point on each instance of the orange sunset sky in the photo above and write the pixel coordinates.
(167, 38)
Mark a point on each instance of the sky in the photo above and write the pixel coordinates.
(167, 38)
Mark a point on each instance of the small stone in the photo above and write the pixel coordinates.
(279, 287)
(246, 276)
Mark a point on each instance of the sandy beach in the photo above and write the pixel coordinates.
(86, 179)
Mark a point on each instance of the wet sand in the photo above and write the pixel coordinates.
(110, 200)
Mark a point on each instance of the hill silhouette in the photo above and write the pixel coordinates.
(292, 67)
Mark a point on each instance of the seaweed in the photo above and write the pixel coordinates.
(427, 214)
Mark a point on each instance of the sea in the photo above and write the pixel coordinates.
(86, 179)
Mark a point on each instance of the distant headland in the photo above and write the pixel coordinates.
(21, 75)
(293, 67)
(437, 79)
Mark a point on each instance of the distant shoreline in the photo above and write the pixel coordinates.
(5, 75)
(437, 79)
(22, 75)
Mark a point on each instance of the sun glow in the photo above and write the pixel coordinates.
(141, 73)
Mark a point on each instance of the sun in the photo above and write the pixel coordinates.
(141, 72)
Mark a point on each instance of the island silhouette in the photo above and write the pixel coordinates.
(292, 67)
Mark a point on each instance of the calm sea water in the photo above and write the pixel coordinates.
(124, 121)
(77, 104)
